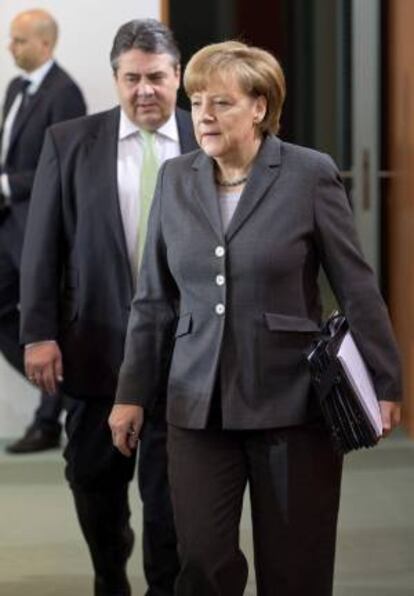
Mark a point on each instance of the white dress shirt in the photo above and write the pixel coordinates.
(129, 167)
(36, 79)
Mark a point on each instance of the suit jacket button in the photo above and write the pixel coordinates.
(220, 309)
(219, 251)
(220, 279)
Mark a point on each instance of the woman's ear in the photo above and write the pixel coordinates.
(260, 109)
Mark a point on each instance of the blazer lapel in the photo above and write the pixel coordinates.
(205, 192)
(103, 156)
(265, 171)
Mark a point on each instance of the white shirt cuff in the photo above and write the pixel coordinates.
(39, 343)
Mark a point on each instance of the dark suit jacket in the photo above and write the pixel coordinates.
(76, 279)
(292, 217)
(58, 98)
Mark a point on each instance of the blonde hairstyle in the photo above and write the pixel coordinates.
(257, 72)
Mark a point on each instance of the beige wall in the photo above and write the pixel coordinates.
(87, 28)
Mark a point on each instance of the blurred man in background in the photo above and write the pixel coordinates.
(43, 95)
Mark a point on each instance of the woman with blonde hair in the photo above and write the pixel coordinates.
(227, 303)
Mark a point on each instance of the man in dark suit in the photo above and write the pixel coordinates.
(78, 279)
(44, 95)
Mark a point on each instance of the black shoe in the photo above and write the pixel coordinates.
(115, 581)
(34, 440)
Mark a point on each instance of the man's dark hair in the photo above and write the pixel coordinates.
(147, 35)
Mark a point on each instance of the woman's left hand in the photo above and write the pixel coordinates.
(126, 422)
(391, 416)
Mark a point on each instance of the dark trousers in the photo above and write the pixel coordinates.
(48, 412)
(99, 475)
(294, 480)
(161, 563)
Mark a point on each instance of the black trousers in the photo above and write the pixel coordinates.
(294, 480)
(99, 475)
(47, 415)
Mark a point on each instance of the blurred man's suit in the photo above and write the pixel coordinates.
(57, 98)
(76, 194)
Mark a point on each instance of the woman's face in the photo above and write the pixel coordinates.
(225, 118)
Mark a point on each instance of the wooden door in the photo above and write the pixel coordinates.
(400, 198)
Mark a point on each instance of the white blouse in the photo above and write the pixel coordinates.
(228, 202)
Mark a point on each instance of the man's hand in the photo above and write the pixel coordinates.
(43, 365)
(126, 423)
(391, 416)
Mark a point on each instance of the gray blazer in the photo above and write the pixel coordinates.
(245, 304)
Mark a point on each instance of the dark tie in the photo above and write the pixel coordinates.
(23, 86)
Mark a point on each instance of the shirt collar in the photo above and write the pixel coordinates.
(170, 129)
(36, 77)
(128, 128)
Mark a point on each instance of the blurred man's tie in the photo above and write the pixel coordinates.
(24, 84)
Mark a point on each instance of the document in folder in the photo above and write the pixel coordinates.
(359, 377)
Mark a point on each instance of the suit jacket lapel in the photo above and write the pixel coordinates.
(10, 97)
(264, 173)
(103, 157)
(205, 192)
(22, 118)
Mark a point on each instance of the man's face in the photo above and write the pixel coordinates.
(147, 86)
(27, 47)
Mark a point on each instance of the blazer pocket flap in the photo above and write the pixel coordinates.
(277, 322)
(183, 325)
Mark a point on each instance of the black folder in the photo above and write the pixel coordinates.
(344, 387)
